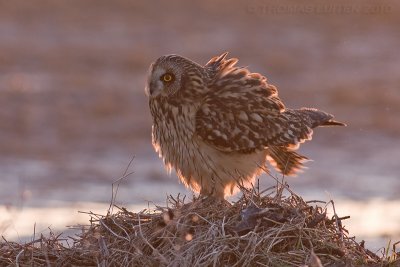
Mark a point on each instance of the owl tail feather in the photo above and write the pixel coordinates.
(286, 161)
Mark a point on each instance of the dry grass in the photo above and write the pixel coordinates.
(261, 229)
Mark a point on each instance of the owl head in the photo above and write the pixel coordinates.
(171, 74)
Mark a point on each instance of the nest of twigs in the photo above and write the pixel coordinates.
(260, 229)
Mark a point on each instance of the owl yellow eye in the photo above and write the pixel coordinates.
(167, 77)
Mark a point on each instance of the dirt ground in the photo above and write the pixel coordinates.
(73, 111)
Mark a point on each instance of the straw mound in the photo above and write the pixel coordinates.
(261, 229)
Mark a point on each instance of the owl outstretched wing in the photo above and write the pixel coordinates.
(242, 112)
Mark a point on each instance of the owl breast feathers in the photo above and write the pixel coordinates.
(217, 125)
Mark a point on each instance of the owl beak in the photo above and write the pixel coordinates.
(152, 89)
(147, 90)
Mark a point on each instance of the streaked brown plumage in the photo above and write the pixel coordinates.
(218, 124)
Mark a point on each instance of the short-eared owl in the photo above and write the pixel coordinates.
(218, 124)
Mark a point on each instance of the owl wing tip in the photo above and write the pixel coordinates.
(334, 123)
(223, 55)
(217, 59)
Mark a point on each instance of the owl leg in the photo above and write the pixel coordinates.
(212, 187)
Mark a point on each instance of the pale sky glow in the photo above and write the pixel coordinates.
(372, 218)
(18, 225)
